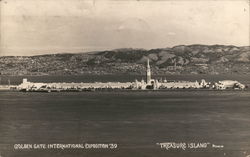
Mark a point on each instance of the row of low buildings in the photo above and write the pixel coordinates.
(149, 84)
(137, 85)
(31, 86)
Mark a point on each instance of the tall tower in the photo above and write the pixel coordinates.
(148, 72)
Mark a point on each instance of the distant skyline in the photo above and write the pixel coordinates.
(61, 26)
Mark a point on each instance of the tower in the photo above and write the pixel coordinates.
(148, 72)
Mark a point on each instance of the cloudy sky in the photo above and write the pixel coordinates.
(31, 27)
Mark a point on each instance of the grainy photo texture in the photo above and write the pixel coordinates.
(124, 78)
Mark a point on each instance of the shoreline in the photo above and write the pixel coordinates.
(125, 90)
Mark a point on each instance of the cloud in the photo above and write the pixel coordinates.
(116, 24)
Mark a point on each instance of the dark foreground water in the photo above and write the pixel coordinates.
(136, 121)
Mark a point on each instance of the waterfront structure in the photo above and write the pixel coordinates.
(148, 72)
(150, 84)
(51, 87)
(229, 84)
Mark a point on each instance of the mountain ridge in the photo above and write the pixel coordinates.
(180, 59)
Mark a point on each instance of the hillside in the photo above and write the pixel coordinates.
(182, 59)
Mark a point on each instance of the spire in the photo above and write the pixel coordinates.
(148, 64)
(148, 72)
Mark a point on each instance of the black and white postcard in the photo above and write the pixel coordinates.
(124, 78)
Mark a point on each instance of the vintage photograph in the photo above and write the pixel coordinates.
(124, 78)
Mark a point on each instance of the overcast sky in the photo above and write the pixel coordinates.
(30, 27)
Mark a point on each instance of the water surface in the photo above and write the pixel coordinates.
(136, 121)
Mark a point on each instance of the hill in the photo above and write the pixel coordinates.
(182, 59)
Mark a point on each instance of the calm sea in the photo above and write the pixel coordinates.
(135, 121)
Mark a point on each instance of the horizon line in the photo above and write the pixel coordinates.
(115, 49)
